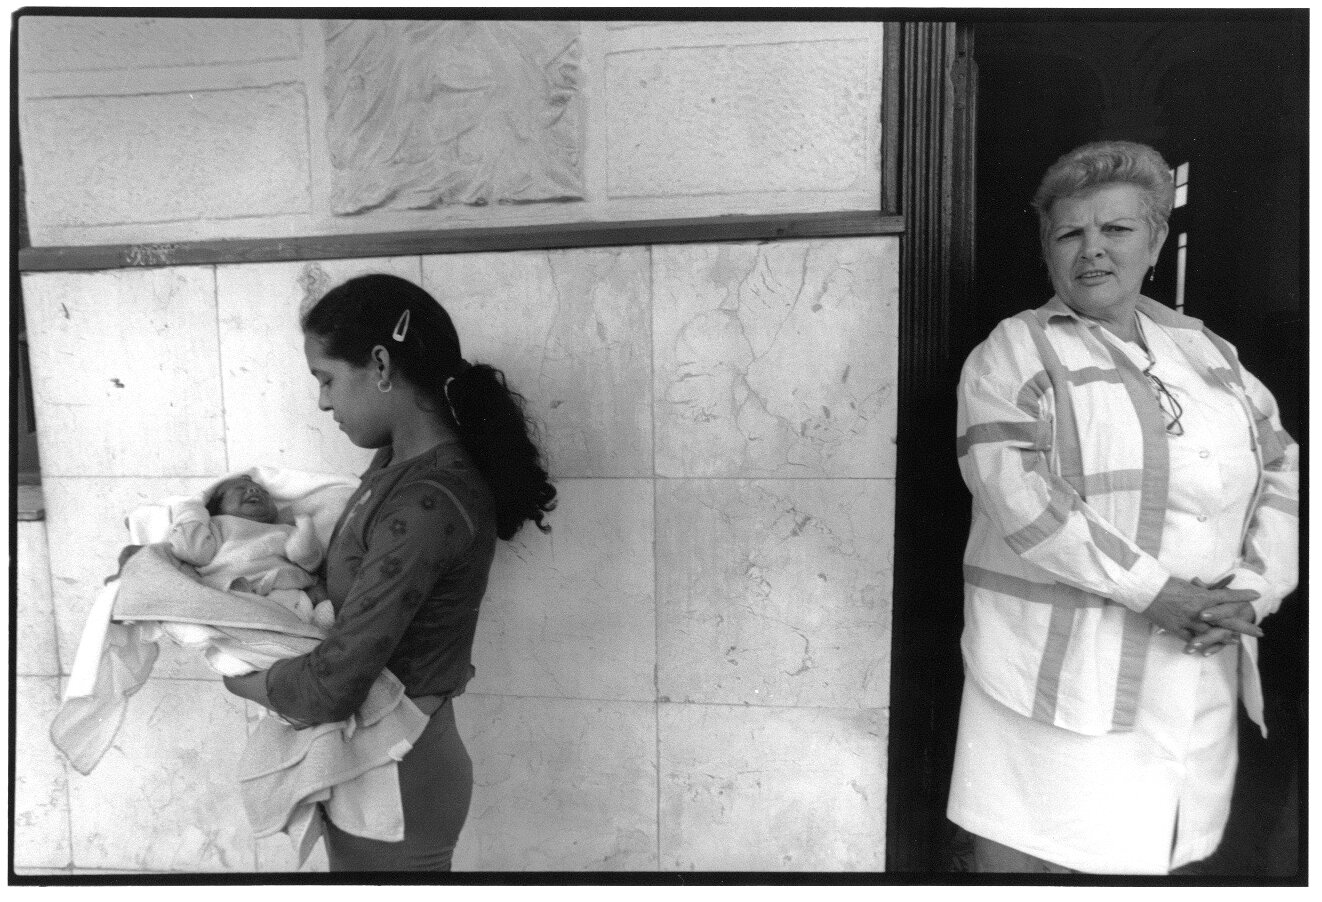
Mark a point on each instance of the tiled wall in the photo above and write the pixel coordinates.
(690, 671)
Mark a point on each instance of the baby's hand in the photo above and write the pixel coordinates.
(323, 615)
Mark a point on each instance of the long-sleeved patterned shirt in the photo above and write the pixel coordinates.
(406, 570)
(1063, 444)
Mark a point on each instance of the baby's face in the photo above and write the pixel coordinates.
(241, 497)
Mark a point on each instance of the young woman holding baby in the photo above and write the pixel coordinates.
(406, 569)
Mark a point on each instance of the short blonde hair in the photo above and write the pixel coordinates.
(1108, 163)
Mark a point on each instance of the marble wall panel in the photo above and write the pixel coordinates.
(560, 785)
(41, 783)
(761, 789)
(776, 359)
(167, 156)
(271, 415)
(571, 614)
(85, 529)
(37, 653)
(165, 796)
(774, 592)
(103, 43)
(572, 331)
(785, 116)
(126, 372)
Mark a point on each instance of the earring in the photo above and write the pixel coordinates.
(383, 385)
(1152, 273)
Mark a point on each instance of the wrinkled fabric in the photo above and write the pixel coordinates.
(283, 770)
(352, 764)
(114, 662)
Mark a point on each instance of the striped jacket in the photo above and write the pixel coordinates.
(1063, 446)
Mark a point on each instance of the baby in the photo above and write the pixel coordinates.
(236, 544)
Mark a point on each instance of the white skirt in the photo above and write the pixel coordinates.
(1139, 802)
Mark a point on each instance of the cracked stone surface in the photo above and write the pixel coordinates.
(271, 415)
(774, 592)
(572, 332)
(581, 776)
(785, 789)
(571, 614)
(125, 371)
(776, 359)
(38, 649)
(41, 782)
(165, 796)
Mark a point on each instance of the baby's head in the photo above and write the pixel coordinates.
(241, 496)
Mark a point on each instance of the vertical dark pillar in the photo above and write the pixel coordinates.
(933, 65)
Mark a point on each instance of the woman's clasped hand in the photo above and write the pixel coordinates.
(1207, 618)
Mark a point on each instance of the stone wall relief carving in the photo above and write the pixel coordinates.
(424, 114)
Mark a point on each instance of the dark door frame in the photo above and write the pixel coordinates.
(936, 78)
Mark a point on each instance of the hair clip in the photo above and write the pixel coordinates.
(401, 327)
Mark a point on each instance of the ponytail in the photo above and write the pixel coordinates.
(488, 416)
(494, 428)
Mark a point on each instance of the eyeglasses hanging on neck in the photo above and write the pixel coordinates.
(1169, 406)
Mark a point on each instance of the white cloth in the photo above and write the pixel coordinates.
(1106, 804)
(351, 767)
(1109, 803)
(317, 498)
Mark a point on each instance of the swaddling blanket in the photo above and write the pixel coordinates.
(284, 772)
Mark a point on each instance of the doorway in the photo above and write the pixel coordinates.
(1226, 96)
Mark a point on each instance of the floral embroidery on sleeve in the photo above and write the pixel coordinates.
(413, 541)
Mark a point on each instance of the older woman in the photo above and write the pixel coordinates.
(1134, 518)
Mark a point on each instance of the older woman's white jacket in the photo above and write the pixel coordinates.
(1063, 445)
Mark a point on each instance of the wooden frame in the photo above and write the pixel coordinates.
(935, 132)
(455, 241)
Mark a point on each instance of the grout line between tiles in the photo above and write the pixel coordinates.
(847, 709)
(220, 366)
(656, 570)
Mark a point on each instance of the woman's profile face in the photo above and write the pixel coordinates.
(1099, 248)
(350, 394)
